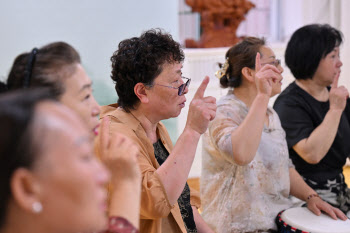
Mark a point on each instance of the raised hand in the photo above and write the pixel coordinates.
(119, 154)
(338, 95)
(265, 76)
(202, 109)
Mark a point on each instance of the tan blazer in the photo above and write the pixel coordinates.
(156, 215)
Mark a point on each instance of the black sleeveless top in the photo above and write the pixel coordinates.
(161, 155)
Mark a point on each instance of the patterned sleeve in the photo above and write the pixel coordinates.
(227, 119)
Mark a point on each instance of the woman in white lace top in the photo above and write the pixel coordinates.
(247, 174)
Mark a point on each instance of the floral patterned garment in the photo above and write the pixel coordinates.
(243, 198)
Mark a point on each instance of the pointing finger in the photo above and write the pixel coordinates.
(104, 134)
(201, 89)
(335, 82)
(257, 62)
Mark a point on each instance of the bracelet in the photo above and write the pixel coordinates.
(312, 195)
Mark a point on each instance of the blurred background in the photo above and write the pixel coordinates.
(95, 28)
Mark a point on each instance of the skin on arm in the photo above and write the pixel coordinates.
(315, 147)
(202, 226)
(174, 171)
(246, 138)
(119, 154)
(301, 190)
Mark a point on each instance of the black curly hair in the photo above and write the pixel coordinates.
(140, 60)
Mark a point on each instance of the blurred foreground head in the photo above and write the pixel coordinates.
(50, 180)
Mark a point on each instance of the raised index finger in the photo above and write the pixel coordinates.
(201, 89)
(257, 62)
(104, 134)
(335, 81)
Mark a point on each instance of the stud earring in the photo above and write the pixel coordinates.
(37, 207)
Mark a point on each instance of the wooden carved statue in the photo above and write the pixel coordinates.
(219, 21)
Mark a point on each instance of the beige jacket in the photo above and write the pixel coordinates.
(156, 215)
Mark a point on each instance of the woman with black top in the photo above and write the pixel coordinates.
(315, 112)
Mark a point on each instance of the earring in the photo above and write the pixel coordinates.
(37, 207)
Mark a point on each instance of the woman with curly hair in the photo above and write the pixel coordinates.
(149, 82)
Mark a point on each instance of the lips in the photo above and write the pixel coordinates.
(95, 130)
(182, 105)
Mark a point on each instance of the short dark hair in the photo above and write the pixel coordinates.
(18, 146)
(239, 56)
(307, 46)
(3, 87)
(140, 60)
(53, 63)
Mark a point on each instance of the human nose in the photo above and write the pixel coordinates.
(280, 68)
(185, 90)
(339, 63)
(95, 108)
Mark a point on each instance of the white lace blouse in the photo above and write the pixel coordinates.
(243, 198)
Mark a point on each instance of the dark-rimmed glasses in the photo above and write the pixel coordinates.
(181, 88)
(275, 62)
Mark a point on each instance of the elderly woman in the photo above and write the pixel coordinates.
(150, 86)
(50, 179)
(58, 67)
(315, 112)
(247, 175)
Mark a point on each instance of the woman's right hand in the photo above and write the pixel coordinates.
(119, 154)
(265, 76)
(202, 109)
(338, 96)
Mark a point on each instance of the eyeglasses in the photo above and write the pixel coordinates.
(276, 63)
(181, 88)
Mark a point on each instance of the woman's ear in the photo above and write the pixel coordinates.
(25, 189)
(248, 74)
(141, 92)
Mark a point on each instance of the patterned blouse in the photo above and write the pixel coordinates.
(243, 198)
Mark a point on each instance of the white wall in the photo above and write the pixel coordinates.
(297, 13)
(93, 27)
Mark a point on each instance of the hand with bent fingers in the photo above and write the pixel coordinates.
(202, 109)
(316, 205)
(119, 154)
(265, 76)
(338, 96)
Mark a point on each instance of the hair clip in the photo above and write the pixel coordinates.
(29, 68)
(220, 73)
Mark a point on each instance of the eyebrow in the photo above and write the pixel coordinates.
(86, 86)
